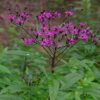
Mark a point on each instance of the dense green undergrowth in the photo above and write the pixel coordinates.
(24, 75)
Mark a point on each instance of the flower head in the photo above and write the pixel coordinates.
(29, 41)
(74, 31)
(69, 13)
(11, 18)
(71, 41)
(95, 40)
(46, 42)
(19, 21)
(56, 14)
(24, 16)
(82, 24)
(38, 33)
(69, 26)
(83, 37)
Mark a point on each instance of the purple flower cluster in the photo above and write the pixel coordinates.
(67, 33)
(47, 15)
(18, 19)
(46, 42)
(52, 35)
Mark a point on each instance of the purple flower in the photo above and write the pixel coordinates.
(56, 14)
(11, 18)
(38, 33)
(29, 41)
(88, 32)
(49, 33)
(46, 42)
(44, 29)
(69, 26)
(95, 40)
(47, 15)
(19, 21)
(40, 18)
(83, 31)
(71, 41)
(24, 15)
(74, 31)
(69, 13)
(57, 29)
(44, 16)
(82, 24)
(83, 37)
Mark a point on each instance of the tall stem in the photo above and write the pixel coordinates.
(53, 60)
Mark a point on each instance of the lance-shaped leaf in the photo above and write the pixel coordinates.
(53, 89)
(69, 80)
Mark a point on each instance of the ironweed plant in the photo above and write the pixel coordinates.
(74, 59)
(55, 39)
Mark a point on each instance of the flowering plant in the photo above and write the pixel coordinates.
(55, 39)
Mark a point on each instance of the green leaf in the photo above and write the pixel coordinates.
(18, 52)
(77, 95)
(4, 81)
(12, 89)
(10, 97)
(96, 72)
(53, 89)
(65, 96)
(4, 69)
(59, 1)
(94, 90)
(61, 70)
(70, 79)
(43, 69)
